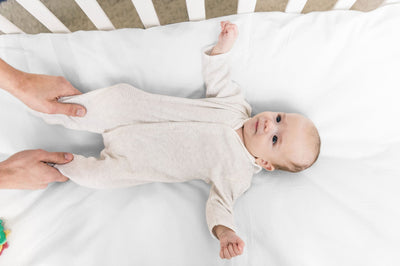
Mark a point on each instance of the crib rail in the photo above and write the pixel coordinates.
(36, 16)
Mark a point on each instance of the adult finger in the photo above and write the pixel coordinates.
(55, 175)
(62, 178)
(65, 88)
(230, 249)
(69, 109)
(70, 90)
(55, 157)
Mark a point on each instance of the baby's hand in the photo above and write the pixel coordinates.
(231, 244)
(226, 39)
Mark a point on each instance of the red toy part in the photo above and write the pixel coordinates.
(3, 248)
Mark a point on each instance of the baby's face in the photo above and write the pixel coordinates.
(279, 139)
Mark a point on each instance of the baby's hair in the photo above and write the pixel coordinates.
(295, 167)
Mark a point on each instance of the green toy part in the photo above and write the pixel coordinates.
(3, 238)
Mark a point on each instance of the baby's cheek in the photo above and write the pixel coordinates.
(260, 146)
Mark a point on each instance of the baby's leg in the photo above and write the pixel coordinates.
(109, 171)
(107, 108)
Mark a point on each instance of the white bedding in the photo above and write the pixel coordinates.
(340, 68)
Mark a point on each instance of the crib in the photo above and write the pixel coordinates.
(55, 16)
(336, 62)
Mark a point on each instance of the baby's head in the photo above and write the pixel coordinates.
(284, 141)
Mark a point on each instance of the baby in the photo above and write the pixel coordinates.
(157, 138)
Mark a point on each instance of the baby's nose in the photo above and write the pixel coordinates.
(269, 126)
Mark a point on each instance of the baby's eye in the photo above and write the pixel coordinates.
(274, 139)
(278, 118)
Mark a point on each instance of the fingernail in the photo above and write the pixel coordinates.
(80, 112)
(68, 156)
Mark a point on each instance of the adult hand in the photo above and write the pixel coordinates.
(29, 169)
(41, 93)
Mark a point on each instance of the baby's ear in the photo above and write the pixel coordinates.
(265, 164)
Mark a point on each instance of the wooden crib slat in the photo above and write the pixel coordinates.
(318, 5)
(147, 12)
(271, 5)
(70, 14)
(122, 13)
(96, 14)
(196, 9)
(295, 6)
(246, 6)
(344, 4)
(214, 10)
(36, 16)
(366, 5)
(171, 11)
(7, 27)
(44, 15)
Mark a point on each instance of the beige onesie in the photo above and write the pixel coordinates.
(157, 138)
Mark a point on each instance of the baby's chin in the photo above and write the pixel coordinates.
(246, 126)
(249, 130)
(250, 121)
(250, 124)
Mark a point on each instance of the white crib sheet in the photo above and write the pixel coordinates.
(340, 68)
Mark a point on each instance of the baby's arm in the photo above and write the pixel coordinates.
(219, 212)
(216, 65)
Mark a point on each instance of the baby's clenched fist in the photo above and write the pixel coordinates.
(231, 244)
(226, 39)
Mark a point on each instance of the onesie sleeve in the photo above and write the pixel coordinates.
(217, 76)
(219, 208)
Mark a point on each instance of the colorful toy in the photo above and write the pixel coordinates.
(3, 238)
